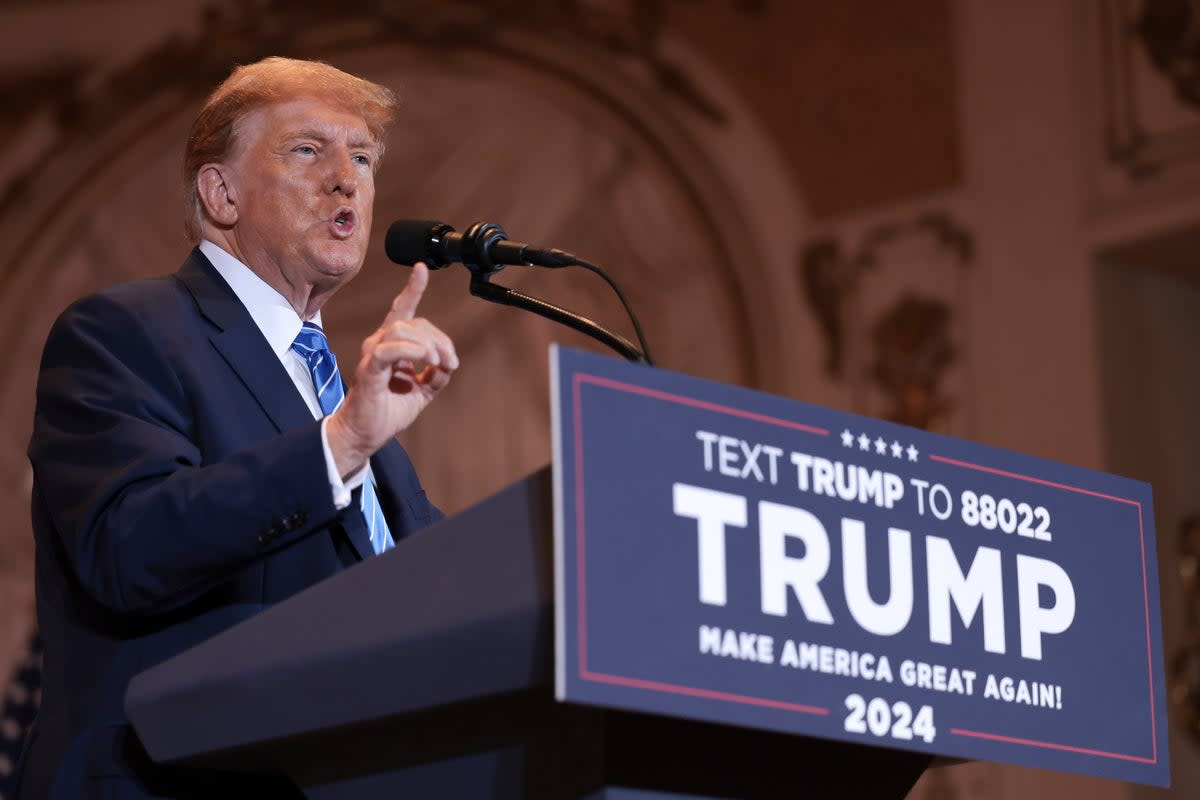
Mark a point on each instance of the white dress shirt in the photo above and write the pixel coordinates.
(280, 324)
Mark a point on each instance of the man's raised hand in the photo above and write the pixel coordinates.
(404, 364)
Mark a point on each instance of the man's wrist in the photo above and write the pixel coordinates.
(349, 456)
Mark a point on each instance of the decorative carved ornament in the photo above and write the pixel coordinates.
(1150, 63)
(888, 313)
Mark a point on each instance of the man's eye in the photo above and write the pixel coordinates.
(306, 149)
(364, 160)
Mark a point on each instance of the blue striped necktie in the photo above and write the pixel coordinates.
(313, 347)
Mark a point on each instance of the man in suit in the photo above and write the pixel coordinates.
(194, 458)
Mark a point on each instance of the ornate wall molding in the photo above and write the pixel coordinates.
(890, 308)
(1148, 88)
(79, 106)
(636, 144)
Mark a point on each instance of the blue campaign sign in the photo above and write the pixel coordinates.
(730, 556)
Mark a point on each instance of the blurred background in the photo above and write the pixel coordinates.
(972, 216)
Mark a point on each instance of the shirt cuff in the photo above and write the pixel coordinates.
(341, 489)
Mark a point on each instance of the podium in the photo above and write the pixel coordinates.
(717, 593)
(428, 673)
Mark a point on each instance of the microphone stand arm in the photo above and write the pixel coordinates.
(482, 288)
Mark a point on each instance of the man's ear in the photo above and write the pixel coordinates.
(217, 194)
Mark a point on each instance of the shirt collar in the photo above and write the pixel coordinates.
(271, 312)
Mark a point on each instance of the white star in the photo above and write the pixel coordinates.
(880, 446)
(912, 453)
(897, 450)
(847, 439)
(863, 442)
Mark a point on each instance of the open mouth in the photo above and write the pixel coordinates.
(342, 222)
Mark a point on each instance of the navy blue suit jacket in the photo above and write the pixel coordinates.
(179, 487)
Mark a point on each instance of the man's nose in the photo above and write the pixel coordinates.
(343, 176)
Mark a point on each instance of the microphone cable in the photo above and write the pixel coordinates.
(637, 326)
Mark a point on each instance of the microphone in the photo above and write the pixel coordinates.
(484, 248)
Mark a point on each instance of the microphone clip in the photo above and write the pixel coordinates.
(483, 240)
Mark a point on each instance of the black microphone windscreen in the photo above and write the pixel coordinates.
(408, 241)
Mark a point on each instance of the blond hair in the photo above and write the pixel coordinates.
(272, 80)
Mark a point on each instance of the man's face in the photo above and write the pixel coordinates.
(303, 179)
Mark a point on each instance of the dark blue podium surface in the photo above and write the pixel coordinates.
(428, 672)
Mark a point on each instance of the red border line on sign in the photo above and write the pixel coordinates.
(1145, 598)
(580, 565)
(580, 562)
(967, 464)
(1051, 745)
(691, 401)
(638, 683)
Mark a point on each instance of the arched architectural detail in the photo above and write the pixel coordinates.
(677, 193)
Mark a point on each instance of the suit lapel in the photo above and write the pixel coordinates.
(355, 525)
(388, 464)
(241, 344)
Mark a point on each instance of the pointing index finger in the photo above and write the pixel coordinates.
(404, 307)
